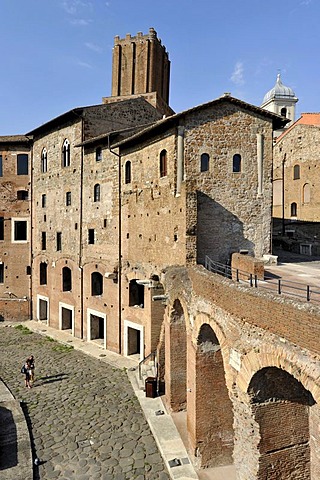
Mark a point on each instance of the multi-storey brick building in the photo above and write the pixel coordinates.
(296, 197)
(15, 226)
(126, 207)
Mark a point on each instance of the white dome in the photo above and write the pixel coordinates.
(279, 91)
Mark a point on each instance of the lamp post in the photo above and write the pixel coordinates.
(283, 209)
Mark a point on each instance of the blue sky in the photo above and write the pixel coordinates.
(56, 54)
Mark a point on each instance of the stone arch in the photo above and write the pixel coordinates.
(280, 420)
(210, 413)
(176, 357)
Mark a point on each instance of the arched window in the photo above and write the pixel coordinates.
(204, 162)
(96, 193)
(293, 209)
(296, 172)
(44, 165)
(283, 111)
(306, 193)
(163, 163)
(98, 154)
(236, 163)
(66, 279)
(66, 153)
(96, 284)
(43, 273)
(127, 172)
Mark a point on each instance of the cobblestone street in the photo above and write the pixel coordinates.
(84, 418)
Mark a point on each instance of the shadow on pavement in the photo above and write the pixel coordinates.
(8, 440)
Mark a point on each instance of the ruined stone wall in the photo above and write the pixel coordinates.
(297, 147)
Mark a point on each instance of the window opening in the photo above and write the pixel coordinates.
(163, 163)
(66, 153)
(296, 172)
(68, 199)
(1, 272)
(136, 294)
(96, 284)
(22, 194)
(204, 164)
(43, 241)
(22, 164)
(59, 241)
(1, 166)
(1, 228)
(44, 165)
(98, 154)
(96, 193)
(91, 235)
(43, 273)
(44, 200)
(66, 279)
(236, 163)
(128, 172)
(293, 209)
(284, 111)
(20, 230)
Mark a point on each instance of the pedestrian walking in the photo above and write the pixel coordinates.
(27, 372)
(30, 361)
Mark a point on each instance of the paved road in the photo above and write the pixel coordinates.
(85, 420)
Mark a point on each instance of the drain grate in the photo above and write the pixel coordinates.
(84, 443)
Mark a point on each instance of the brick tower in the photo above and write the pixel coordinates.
(141, 67)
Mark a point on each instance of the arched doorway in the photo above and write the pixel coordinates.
(212, 432)
(280, 408)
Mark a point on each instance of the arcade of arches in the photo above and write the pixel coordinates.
(250, 397)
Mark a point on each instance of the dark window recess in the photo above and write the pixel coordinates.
(76, 226)
(284, 111)
(163, 163)
(22, 195)
(44, 200)
(1, 228)
(98, 154)
(20, 230)
(104, 222)
(28, 270)
(22, 164)
(66, 279)
(59, 241)
(96, 193)
(296, 172)
(204, 162)
(43, 273)
(127, 172)
(43, 241)
(293, 209)
(236, 163)
(68, 199)
(66, 153)
(1, 171)
(136, 294)
(1, 272)
(96, 283)
(91, 235)
(44, 161)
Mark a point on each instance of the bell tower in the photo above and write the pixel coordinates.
(281, 100)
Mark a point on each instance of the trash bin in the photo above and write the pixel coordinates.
(151, 387)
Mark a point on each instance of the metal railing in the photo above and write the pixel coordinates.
(151, 357)
(280, 286)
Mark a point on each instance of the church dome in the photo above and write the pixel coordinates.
(279, 91)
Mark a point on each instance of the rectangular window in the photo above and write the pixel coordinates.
(91, 235)
(59, 241)
(1, 166)
(1, 272)
(22, 195)
(68, 199)
(1, 228)
(43, 241)
(44, 200)
(20, 231)
(22, 164)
